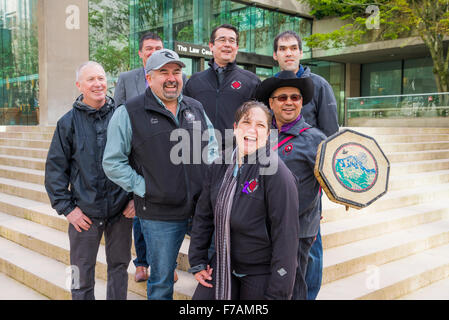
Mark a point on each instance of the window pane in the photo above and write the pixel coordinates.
(19, 60)
(379, 79)
(418, 76)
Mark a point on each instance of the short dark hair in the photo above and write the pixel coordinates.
(146, 36)
(286, 34)
(224, 26)
(244, 109)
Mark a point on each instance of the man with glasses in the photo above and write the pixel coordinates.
(224, 87)
(298, 144)
(320, 112)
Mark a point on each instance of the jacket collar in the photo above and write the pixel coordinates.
(107, 107)
(229, 66)
(296, 128)
(153, 103)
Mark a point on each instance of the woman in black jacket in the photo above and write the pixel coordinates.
(254, 212)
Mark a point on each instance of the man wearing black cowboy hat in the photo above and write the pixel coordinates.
(297, 147)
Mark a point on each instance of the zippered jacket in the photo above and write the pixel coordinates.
(221, 101)
(263, 224)
(299, 155)
(74, 174)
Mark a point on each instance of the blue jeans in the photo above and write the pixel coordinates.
(139, 244)
(163, 240)
(314, 271)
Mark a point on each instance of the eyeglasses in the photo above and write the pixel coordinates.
(223, 40)
(283, 97)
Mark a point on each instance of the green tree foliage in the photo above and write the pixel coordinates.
(396, 19)
(109, 34)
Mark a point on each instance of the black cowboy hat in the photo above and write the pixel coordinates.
(285, 79)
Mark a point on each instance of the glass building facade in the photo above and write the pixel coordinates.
(19, 63)
(185, 26)
(411, 76)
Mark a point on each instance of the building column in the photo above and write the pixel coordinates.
(352, 84)
(63, 45)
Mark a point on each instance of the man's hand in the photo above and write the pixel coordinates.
(129, 211)
(79, 220)
(204, 275)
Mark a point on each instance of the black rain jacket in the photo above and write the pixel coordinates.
(74, 173)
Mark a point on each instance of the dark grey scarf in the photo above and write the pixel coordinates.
(222, 213)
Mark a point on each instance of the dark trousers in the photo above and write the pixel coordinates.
(300, 288)
(83, 258)
(249, 287)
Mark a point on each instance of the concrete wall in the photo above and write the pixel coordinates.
(290, 6)
(63, 46)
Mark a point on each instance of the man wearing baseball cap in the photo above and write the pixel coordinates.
(138, 157)
(297, 147)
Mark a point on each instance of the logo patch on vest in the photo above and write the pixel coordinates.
(250, 186)
(154, 121)
(236, 85)
(189, 116)
(288, 148)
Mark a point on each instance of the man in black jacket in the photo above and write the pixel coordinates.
(92, 204)
(224, 87)
(321, 113)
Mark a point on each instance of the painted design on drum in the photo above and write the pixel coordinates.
(355, 167)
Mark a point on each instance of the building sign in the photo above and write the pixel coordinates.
(188, 49)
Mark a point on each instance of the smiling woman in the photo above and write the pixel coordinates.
(254, 215)
(251, 127)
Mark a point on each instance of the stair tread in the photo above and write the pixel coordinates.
(29, 204)
(364, 220)
(22, 158)
(435, 291)
(17, 290)
(358, 285)
(23, 184)
(23, 170)
(60, 239)
(354, 250)
(25, 148)
(40, 266)
(414, 163)
(417, 175)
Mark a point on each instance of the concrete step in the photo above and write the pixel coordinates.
(374, 131)
(346, 260)
(417, 155)
(391, 200)
(414, 180)
(391, 280)
(405, 168)
(49, 129)
(365, 226)
(435, 291)
(27, 135)
(45, 275)
(414, 146)
(22, 174)
(22, 189)
(410, 138)
(38, 153)
(23, 162)
(43, 214)
(17, 290)
(38, 212)
(55, 245)
(42, 144)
